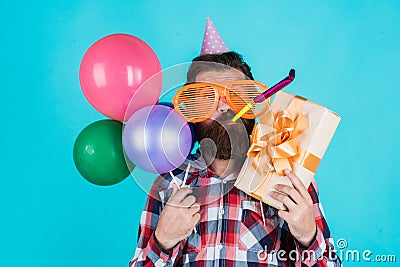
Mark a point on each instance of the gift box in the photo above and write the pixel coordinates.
(294, 134)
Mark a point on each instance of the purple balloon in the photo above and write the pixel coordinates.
(157, 139)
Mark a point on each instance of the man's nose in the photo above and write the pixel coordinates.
(223, 105)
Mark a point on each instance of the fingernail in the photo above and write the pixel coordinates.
(287, 171)
(276, 186)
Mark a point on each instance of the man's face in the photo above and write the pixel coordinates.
(219, 136)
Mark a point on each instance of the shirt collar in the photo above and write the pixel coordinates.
(200, 169)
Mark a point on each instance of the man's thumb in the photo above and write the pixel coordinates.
(174, 189)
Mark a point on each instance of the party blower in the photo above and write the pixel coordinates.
(268, 93)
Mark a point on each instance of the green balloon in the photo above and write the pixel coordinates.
(98, 153)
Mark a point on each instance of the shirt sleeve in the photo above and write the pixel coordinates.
(321, 252)
(148, 252)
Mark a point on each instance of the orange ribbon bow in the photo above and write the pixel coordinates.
(273, 141)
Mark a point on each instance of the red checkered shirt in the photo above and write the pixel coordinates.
(232, 230)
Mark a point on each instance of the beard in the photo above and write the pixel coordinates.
(222, 139)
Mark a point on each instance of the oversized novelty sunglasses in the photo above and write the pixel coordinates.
(198, 101)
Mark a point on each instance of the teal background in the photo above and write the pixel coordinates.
(346, 54)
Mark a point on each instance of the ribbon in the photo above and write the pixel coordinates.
(273, 141)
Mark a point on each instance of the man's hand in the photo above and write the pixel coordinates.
(300, 213)
(178, 219)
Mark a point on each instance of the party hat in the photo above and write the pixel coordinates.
(212, 41)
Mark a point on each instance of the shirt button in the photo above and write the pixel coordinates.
(222, 211)
(220, 246)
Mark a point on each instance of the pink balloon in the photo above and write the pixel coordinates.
(112, 71)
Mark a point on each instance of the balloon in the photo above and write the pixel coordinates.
(165, 103)
(112, 71)
(98, 153)
(193, 133)
(157, 139)
(141, 96)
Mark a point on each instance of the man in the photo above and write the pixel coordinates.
(205, 221)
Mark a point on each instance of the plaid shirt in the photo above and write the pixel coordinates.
(234, 229)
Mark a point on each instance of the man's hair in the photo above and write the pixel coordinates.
(226, 61)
